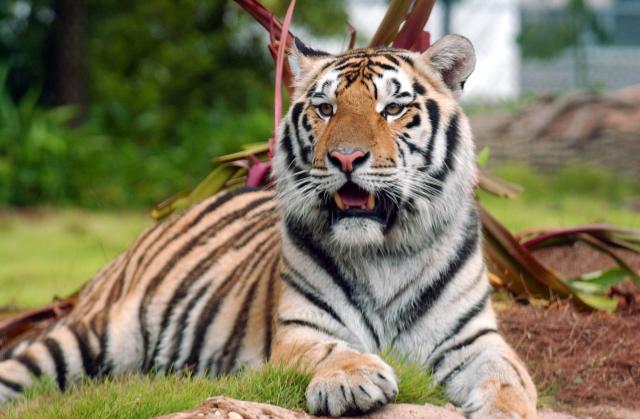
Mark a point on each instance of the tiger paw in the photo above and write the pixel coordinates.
(351, 384)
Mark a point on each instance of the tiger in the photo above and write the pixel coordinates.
(368, 239)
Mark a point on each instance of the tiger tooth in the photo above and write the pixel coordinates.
(339, 202)
(371, 202)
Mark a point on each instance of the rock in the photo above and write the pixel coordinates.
(225, 407)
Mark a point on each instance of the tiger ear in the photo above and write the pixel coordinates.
(454, 58)
(302, 58)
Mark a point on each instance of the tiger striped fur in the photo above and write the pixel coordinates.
(370, 241)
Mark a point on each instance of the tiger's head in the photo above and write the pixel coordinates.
(375, 149)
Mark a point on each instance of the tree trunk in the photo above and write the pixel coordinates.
(69, 78)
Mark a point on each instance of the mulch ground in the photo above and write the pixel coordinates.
(580, 359)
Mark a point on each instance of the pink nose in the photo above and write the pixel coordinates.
(346, 161)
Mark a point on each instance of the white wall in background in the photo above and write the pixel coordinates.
(492, 26)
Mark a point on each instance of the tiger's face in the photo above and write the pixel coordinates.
(375, 147)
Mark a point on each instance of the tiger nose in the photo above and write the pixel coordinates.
(348, 159)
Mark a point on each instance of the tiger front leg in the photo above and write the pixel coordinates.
(344, 381)
(487, 379)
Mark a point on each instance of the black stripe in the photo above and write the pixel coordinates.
(11, 384)
(179, 295)
(30, 364)
(88, 361)
(58, 359)
(102, 363)
(180, 328)
(269, 306)
(308, 324)
(418, 88)
(186, 248)
(356, 64)
(309, 52)
(233, 344)
(434, 118)
(263, 220)
(290, 155)
(452, 136)
(296, 111)
(465, 319)
(215, 202)
(412, 147)
(392, 59)
(305, 123)
(186, 284)
(299, 278)
(306, 243)
(415, 121)
(382, 65)
(437, 363)
(312, 89)
(213, 304)
(458, 369)
(313, 298)
(406, 59)
(428, 296)
(332, 347)
(118, 284)
(516, 370)
(396, 86)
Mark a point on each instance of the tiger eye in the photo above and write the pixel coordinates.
(325, 109)
(392, 109)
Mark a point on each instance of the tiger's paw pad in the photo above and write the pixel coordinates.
(351, 385)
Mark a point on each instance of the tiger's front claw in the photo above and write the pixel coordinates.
(350, 385)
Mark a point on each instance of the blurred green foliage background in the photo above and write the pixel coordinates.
(113, 103)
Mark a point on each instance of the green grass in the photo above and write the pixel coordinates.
(139, 396)
(53, 252)
(575, 195)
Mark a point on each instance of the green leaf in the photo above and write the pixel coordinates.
(598, 282)
(254, 150)
(483, 156)
(598, 302)
(212, 184)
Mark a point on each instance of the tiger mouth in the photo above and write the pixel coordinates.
(353, 201)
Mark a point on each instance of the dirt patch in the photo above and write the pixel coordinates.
(581, 359)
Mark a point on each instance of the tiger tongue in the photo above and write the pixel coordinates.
(353, 197)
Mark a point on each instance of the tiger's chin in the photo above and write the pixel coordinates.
(353, 232)
(358, 217)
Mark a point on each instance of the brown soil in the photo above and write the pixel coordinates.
(580, 359)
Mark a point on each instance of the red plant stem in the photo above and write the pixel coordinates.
(264, 17)
(560, 232)
(277, 106)
(352, 36)
(414, 24)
